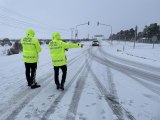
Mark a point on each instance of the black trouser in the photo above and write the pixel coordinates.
(56, 74)
(31, 72)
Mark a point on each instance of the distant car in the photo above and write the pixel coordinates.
(95, 43)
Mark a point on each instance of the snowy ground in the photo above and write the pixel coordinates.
(110, 82)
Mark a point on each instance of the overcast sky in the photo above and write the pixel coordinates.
(47, 16)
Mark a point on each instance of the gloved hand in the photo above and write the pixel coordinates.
(81, 45)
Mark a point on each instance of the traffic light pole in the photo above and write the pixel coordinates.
(98, 23)
(76, 32)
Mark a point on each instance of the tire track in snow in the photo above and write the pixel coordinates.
(53, 106)
(132, 70)
(153, 88)
(114, 104)
(20, 95)
(25, 96)
(112, 101)
(113, 94)
(138, 75)
(40, 66)
(112, 89)
(77, 57)
(18, 73)
(18, 83)
(71, 114)
(129, 62)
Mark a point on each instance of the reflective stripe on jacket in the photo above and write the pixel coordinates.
(31, 48)
(57, 50)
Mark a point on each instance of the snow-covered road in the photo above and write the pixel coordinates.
(99, 86)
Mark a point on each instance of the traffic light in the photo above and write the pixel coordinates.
(97, 23)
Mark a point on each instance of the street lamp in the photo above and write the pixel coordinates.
(76, 32)
(98, 23)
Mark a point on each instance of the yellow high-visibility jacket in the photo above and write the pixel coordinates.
(57, 49)
(31, 48)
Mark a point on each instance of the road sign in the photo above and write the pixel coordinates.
(154, 38)
(98, 35)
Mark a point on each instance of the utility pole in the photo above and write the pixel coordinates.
(76, 34)
(88, 36)
(135, 39)
(72, 30)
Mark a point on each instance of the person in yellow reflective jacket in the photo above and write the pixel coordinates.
(59, 61)
(30, 49)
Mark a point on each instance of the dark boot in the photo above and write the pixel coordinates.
(58, 87)
(62, 86)
(30, 83)
(33, 86)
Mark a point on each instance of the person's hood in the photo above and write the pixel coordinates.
(30, 33)
(56, 36)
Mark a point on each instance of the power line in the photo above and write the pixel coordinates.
(20, 28)
(13, 20)
(45, 26)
